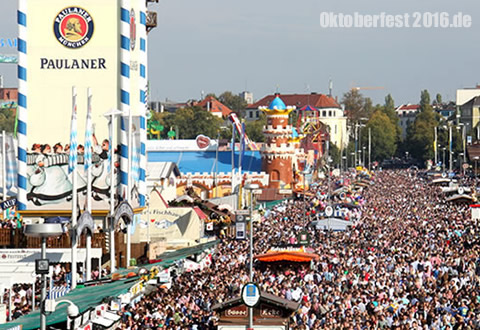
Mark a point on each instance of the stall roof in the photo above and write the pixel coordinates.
(294, 256)
(84, 298)
(92, 296)
(264, 297)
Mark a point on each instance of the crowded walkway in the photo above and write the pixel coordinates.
(410, 262)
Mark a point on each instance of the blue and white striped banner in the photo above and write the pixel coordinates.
(22, 104)
(58, 291)
(143, 85)
(72, 159)
(88, 133)
(124, 93)
(11, 163)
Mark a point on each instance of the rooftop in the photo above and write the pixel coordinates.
(298, 100)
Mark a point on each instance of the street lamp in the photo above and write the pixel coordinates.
(476, 159)
(344, 161)
(363, 161)
(251, 187)
(443, 163)
(43, 231)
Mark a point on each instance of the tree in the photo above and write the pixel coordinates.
(254, 129)
(389, 103)
(234, 102)
(383, 136)
(424, 100)
(335, 154)
(420, 135)
(354, 105)
(204, 123)
(438, 99)
(7, 119)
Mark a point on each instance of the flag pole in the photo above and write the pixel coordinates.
(4, 169)
(129, 184)
(88, 165)
(73, 168)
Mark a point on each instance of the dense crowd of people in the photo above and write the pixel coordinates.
(21, 295)
(410, 261)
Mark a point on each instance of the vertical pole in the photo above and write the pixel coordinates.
(148, 219)
(233, 161)
(43, 318)
(304, 205)
(435, 146)
(328, 182)
(73, 235)
(33, 294)
(74, 232)
(88, 243)
(4, 169)
(112, 196)
(355, 136)
(476, 175)
(216, 165)
(250, 309)
(450, 148)
(369, 148)
(129, 186)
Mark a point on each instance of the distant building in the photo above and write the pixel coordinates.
(215, 107)
(466, 94)
(446, 110)
(168, 105)
(8, 94)
(247, 96)
(470, 113)
(407, 114)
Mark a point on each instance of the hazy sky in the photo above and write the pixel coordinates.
(218, 45)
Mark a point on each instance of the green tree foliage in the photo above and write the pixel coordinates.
(354, 103)
(383, 136)
(234, 102)
(420, 134)
(389, 110)
(424, 100)
(438, 99)
(335, 155)
(189, 122)
(7, 119)
(255, 129)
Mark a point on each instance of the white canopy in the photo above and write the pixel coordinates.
(18, 265)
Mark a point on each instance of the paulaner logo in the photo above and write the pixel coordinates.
(73, 27)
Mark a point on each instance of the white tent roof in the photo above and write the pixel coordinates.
(18, 266)
(334, 224)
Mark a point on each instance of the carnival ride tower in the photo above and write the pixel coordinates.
(277, 152)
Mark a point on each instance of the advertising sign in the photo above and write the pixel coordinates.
(8, 49)
(240, 230)
(82, 46)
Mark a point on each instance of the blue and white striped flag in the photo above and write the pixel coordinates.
(88, 133)
(58, 291)
(72, 159)
(11, 163)
(135, 163)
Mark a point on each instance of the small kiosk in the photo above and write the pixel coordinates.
(272, 312)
